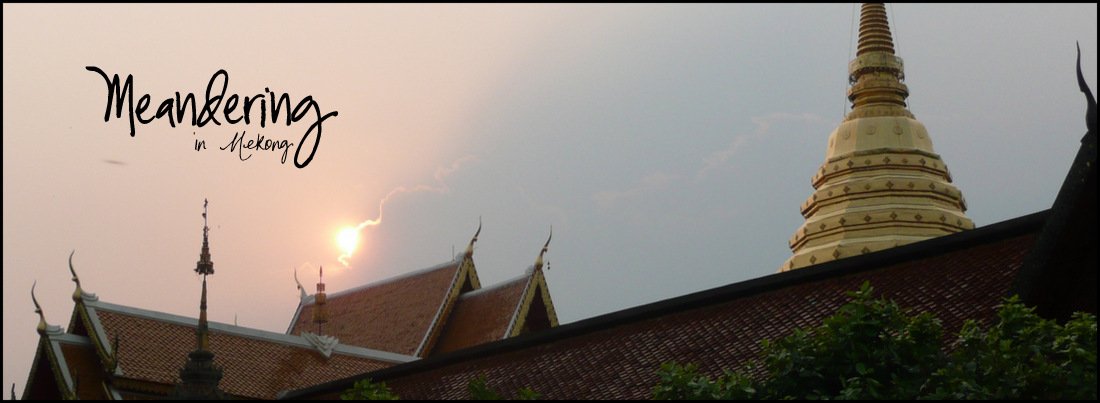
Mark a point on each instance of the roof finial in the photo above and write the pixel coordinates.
(538, 262)
(1090, 110)
(320, 314)
(876, 73)
(42, 325)
(300, 288)
(205, 266)
(470, 249)
(78, 294)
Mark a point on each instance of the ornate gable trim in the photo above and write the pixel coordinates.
(466, 274)
(536, 285)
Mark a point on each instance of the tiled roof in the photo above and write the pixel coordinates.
(957, 277)
(482, 316)
(394, 315)
(153, 347)
(620, 362)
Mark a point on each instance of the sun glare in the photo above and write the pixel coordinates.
(347, 240)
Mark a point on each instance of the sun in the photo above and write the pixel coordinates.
(347, 240)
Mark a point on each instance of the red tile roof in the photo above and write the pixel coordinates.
(482, 316)
(394, 315)
(617, 355)
(255, 364)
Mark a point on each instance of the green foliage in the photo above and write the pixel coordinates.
(685, 383)
(480, 391)
(873, 349)
(365, 390)
(1023, 356)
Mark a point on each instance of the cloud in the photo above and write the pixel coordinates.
(655, 181)
(441, 188)
(763, 128)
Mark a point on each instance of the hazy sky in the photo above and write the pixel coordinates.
(669, 146)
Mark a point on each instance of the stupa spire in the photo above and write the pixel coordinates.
(876, 74)
(881, 185)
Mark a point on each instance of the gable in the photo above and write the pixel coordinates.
(404, 315)
(536, 310)
(43, 381)
(481, 316)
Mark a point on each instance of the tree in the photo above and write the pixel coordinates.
(1023, 356)
(367, 390)
(872, 349)
(479, 391)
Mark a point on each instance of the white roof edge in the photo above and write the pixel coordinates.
(298, 312)
(62, 363)
(515, 314)
(257, 334)
(69, 338)
(439, 311)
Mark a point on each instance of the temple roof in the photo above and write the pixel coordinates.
(958, 277)
(397, 315)
(153, 346)
(482, 316)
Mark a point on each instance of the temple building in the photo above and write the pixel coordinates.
(881, 185)
(883, 212)
(112, 351)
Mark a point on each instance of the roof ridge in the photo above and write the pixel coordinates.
(499, 285)
(310, 300)
(439, 266)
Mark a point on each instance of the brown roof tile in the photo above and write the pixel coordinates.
(394, 315)
(155, 350)
(619, 361)
(482, 316)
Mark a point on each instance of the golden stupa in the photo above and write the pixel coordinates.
(881, 185)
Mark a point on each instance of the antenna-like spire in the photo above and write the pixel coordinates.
(205, 265)
(199, 375)
(320, 314)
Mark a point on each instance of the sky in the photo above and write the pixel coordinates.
(669, 146)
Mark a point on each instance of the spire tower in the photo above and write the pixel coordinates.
(881, 185)
(320, 313)
(199, 375)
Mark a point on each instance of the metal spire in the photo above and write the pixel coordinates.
(205, 266)
(320, 313)
(200, 376)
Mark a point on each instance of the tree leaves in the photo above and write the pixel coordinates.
(873, 349)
